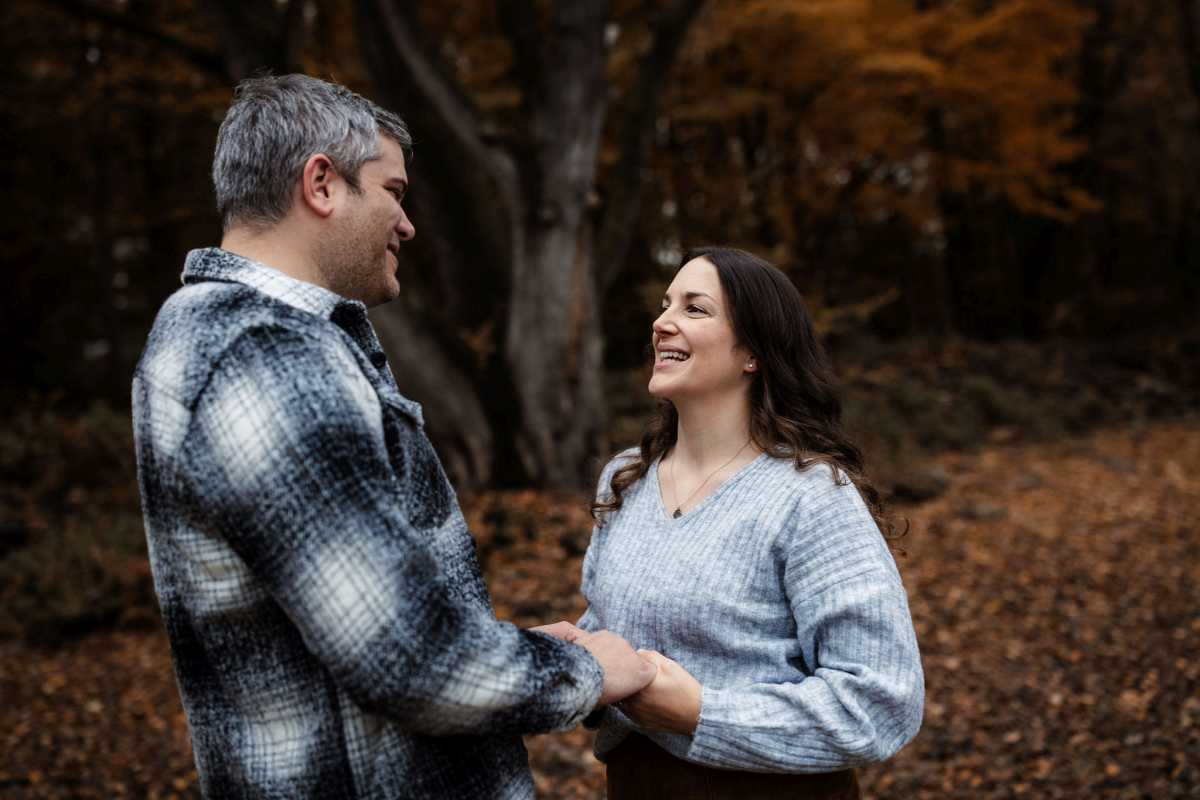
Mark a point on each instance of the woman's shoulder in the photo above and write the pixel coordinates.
(826, 511)
(627, 456)
(624, 457)
(621, 459)
(813, 477)
(816, 488)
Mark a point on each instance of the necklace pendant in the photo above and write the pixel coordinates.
(677, 514)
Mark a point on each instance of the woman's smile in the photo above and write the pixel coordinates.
(670, 356)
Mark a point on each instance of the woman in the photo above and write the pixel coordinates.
(740, 547)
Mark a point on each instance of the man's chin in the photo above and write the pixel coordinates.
(388, 292)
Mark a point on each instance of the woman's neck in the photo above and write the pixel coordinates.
(712, 430)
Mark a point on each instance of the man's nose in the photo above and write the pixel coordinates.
(405, 228)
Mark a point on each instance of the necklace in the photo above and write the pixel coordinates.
(675, 495)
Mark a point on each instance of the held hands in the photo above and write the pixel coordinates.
(670, 703)
(656, 692)
(625, 672)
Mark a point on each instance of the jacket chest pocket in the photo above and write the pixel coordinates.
(425, 494)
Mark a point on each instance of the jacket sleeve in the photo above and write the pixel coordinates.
(860, 695)
(286, 455)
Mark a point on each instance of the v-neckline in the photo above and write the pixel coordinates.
(686, 515)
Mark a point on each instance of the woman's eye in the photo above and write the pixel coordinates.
(696, 309)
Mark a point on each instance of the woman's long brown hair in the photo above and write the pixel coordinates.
(795, 407)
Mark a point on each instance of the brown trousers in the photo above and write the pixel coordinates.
(638, 769)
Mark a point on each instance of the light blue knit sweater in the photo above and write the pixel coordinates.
(778, 593)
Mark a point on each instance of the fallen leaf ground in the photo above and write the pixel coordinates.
(1053, 586)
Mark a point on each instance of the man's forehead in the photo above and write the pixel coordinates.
(391, 158)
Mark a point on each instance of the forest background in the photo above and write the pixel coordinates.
(992, 208)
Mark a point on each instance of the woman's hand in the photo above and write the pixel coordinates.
(670, 703)
(561, 630)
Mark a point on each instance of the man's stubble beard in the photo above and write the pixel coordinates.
(347, 262)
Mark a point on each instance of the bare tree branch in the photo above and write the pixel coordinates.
(206, 60)
(453, 414)
(403, 62)
(409, 77)
(624, 188)
(519, 21)
(1189, 30)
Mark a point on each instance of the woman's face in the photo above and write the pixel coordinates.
(695, 352)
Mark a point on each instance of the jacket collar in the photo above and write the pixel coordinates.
(215, 264)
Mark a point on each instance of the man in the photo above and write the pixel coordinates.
(331, 632)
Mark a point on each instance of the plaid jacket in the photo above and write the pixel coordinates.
(331, 632)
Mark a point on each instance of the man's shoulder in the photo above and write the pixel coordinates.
(202, 322)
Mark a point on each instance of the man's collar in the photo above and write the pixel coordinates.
(215, 264)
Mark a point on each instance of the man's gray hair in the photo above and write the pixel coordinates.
(275, 125)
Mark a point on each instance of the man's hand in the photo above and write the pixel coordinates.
(624, 671)
(561, 630)
(670, 703)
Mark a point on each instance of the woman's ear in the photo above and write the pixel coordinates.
(751, 364)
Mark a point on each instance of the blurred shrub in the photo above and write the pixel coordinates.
(905, 400)
(46, 452)
(72, 548)
(80, 575)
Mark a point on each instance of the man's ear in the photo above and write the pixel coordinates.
(318, 184)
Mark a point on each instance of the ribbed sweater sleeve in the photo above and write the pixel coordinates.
(588, 621)
(864, 697)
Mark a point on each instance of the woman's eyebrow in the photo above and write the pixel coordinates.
(690, 296)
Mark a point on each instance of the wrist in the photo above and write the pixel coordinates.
(690, 719)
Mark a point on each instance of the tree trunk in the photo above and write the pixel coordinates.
(553, 344)
(506, 352)
(932, 308)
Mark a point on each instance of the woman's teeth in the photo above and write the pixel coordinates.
(670, 355)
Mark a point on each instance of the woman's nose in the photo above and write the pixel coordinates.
(663, 324)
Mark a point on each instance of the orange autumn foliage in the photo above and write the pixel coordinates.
(894, 105)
